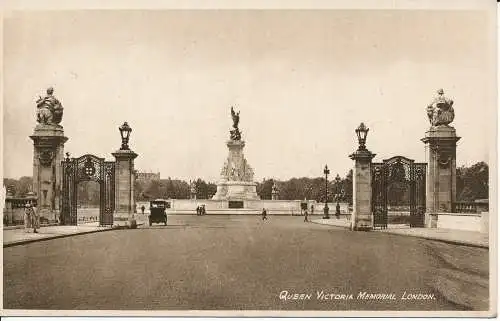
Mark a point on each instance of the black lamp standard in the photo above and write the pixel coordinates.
(362, 132)
(326, 171)
(125, 131)
(337, 195)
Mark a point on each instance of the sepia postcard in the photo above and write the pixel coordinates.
(249, 158)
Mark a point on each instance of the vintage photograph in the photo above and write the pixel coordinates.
(274, 161)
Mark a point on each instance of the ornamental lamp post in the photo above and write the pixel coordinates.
(362, 132)
(125, 131)
(326, 171)
(337, 195)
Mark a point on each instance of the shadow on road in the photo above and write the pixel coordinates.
(161, 226)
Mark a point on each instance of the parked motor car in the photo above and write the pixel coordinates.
(157, 211)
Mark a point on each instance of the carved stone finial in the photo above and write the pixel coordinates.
(440, 111)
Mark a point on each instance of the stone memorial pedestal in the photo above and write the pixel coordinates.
(236, 181)
(236, 190)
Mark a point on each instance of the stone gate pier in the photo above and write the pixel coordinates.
(48, 152)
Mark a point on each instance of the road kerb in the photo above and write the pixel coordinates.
(341, 226)
(432, 238)
(21, 242)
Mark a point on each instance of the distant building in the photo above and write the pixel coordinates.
(147, 177)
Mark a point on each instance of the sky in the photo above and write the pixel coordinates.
(303, 80)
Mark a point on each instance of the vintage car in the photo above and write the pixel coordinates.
(157, 211)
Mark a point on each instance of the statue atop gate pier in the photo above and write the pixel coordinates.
(49, 109)
(440, 110)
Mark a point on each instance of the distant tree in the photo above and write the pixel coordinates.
(291, 190)
(171, 192)
(264, 189)
(139, 190)
(19, 187)
(472, 182)
(347, 187)
(182, 188)
(88, 194)
(25, 185)
(153, 190)
(211, 189)
(201, 189)
(11, 184)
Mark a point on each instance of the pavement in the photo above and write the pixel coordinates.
(17, 227)
(244, 263)
(18, 236)
(458, 237)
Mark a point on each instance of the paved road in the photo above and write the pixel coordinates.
(241, 263)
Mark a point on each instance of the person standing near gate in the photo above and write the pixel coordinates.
(35, 219)
(27, 217)
(306, 219)
(142, 209)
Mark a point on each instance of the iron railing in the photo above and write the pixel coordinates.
(470, 207)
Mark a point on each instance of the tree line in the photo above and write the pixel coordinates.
(472, 183)
(172, 189)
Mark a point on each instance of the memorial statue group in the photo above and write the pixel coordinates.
(31, 218)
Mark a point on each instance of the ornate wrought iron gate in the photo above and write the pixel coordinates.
(87, 168)
(398, 183)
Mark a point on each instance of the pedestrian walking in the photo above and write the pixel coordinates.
(27, 217)
(35, 219)
(312, 209)
(306, 219)
(197, 211)
(264, 214)
(142, 209)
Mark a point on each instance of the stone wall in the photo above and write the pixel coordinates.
(188, 206)
(464, 221)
